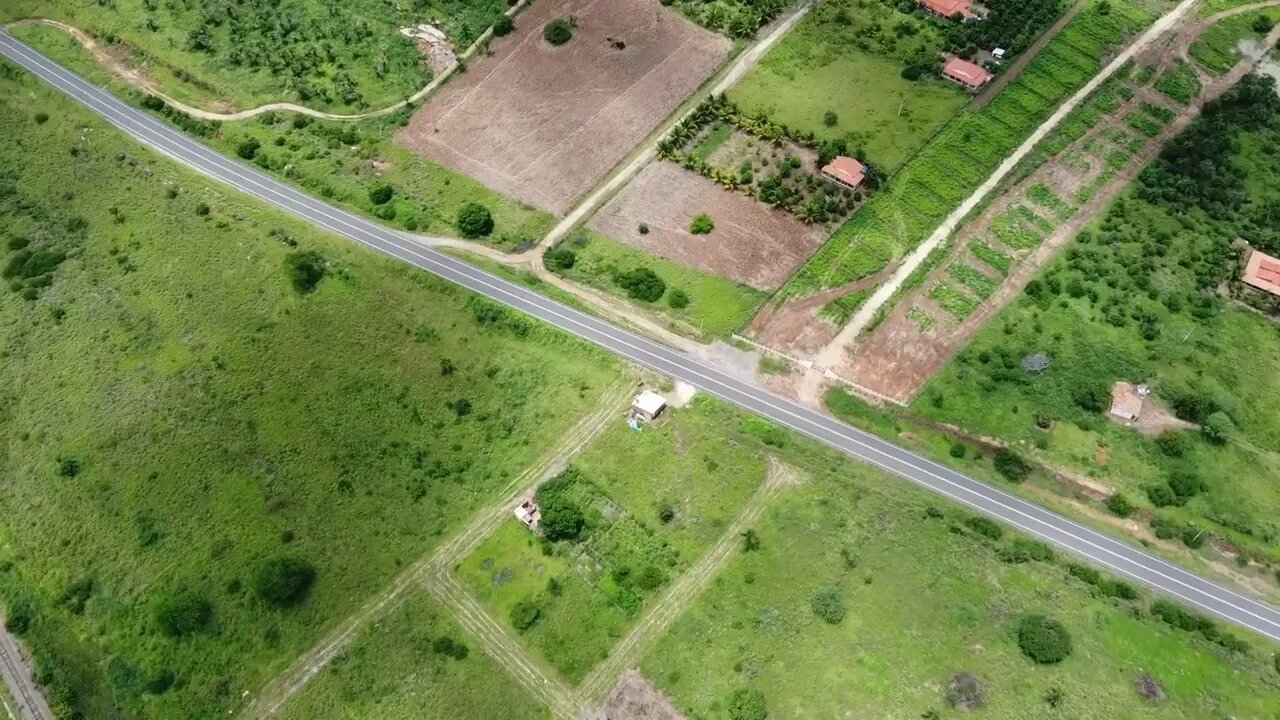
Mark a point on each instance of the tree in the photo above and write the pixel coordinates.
(827, 604)
(524, 615)
(747, 704)
(562, 519)
(830, 119)
(1263, 24)
(1011, 465)
(559, 259)
(702, 224)
(474, 220)
(1044, 640)
(305, 269)
(180, 611)
(1217, 428)
(558, 31)
(503, 26)
(642, 284)
(1092, 397)
(381, 194)
(284, 582)
(750, 541)
(1172, 443)
(678, 299)
(1119, 505)
(248, 148)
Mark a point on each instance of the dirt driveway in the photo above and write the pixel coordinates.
(544, 124)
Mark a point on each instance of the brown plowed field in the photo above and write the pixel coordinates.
(544, 124)
(752, 242)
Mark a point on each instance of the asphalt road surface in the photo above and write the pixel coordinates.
(1096, 548)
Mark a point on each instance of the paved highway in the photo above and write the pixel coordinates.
(1099, 549)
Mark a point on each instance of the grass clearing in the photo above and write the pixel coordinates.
(178, 414)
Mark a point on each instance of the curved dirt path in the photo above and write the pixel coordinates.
(141, 82)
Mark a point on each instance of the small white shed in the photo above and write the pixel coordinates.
(648, 405)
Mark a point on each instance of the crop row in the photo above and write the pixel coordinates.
(993, 258)
(974, 279)
(953, 301)
(1015, 233)
(1041, 195)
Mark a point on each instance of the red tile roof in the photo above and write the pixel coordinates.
(846, 170)
(1263, 272)
(966, 72)
(948, 8)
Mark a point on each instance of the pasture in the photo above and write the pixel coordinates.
(195, 388)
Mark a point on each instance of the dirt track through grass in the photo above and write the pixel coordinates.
(290, 682)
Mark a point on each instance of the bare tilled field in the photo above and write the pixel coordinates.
(752, 243)
(544, 124)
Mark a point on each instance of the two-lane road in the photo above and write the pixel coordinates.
(1097, 548)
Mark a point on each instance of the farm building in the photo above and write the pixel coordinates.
(1263, 272)
(846, 171)
(966, 73)
(648, 405)
(528, 513)
(1127, 400)
(949, 8)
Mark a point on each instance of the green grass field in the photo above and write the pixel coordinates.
(340, 161)
(819, 67)
(717, 306)
(339, 58)
(176, 414)
(1218, 49)
(694, 469)
(394, 671)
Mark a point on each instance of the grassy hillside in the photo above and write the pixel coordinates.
(177, 413)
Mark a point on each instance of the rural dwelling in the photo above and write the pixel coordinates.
(845, 171)
(1126, 401)
(1262, 271)
(966, 73)
(648, 405)
(949, 8)
(528, 513)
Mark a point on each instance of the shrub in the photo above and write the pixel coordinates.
(474, 220)
(1054, 697)
(1022, 550)
(702, 224)
(1044, 640)
(1263, 24)
(1217, 428)
(1011, 465)
(747, 704)
(447, 646)
(1093, 397)
(649, 578)
(827, 604)
(381, 194)
(1172, 443)
(666, 513)
(248, 149)
(1085, 573)
(985, 527)
(559, 259)
(1118, 589)
(1163, 528)
(1192, 536)
(750, 541)
(68, 467)
(1185, 485)
(42, 118)
(913, 72)
(678, 299)
(305, 269)
(1160, 495)
(959, 450)
(524, 615)
(830, 119)
(642, 284)
(558, 31)
(643, 229)
(1119, 505)
(22, 615)
(180, 612)
(964, 692)
(1276, 660)
(562, 519)
(503, 26)
(284, 582)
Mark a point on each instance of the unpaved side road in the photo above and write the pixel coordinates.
(272, 698)
(18, 677)
(833, 354)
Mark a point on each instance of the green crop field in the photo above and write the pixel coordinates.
(819, 67)
(1179, 83)
(1218, 49)
(918, 595)
(398, 669)
(343, 162)
(956, 161)
(1134, 298)
(343, 57)
(652, 509)
(177, 414)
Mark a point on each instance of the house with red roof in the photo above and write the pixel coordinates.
(963, 72)
(1262, 271)
(845, 171)
(950, 8)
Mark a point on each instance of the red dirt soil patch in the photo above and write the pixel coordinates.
(544, 124)
(752, 243)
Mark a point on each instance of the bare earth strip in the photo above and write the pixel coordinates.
(544, 124)
(752, 243)
(276, 693)
(660, 617)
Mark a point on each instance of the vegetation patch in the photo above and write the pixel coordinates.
(959, 305)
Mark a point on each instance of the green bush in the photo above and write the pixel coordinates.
(1044, 640)
(474, 220)
(1011, 465)
(284, 582)
(559, 259)
(830, 119)
(642, 284)
(702, 224)
(562, 519)
(1119, 505)
(1193, 537)
(1172, 443)
(827, 604)
(1160, 495)
(42, 118)
(959, 450)
(1185, 485)
(524, 615)
(985, 527)
(747, 704)
(180, 611)
(1023, 550)
(248, 149)
(558, 31)
(305, 268)
(447, 646)
(1163, 528)
(678, 299)
(1093, 397)
(1217, 428)
(750, 541)
(381, 194)
(503, 26)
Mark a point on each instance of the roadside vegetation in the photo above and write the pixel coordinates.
(735, 18)
(343, 57)
(226, 430)
(356, 164)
